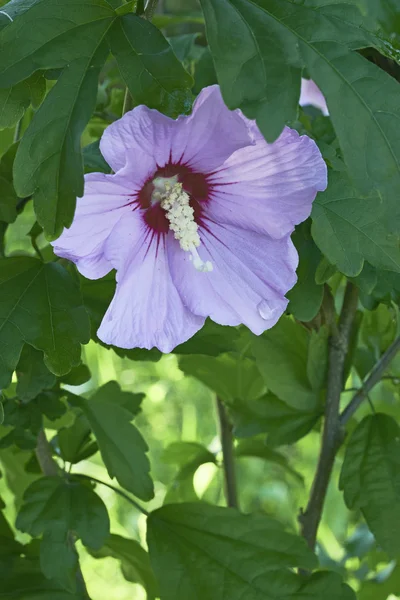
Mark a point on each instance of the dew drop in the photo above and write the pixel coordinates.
(265, 311)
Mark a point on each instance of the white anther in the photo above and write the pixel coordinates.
(176, 203)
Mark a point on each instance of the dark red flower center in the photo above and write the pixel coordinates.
(194, 184)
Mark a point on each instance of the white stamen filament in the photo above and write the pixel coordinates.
(175, 201)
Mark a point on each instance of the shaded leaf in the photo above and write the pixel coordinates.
(40, 305)
(212, 340)
(256, 447)
(149, 67)
(283, 423)
(134, 560)
(350, 228)
(241, 555)
(228, 375)
(32, 374)
(14, 101)
(306, 297)
(74, 442)
(281, 356)
(188, 456)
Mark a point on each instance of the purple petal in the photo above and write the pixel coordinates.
(201, 141)
(105, 201)
(146, 310)
(268, 187)
(310, 94)
(252, 272)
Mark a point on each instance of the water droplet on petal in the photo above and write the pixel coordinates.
(265, 311)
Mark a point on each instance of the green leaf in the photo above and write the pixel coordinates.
(8, 201)
(8, 197)
(256, 447)
(77, 376)
(41, 305)
(1, 412)
(27, 582)
(59, 559)
(228, 375)
(15, 100)
(122, 447)
(379, 329)
(111, 392)
(283, 423)
(134, 560)
(53, 504)
(49, 160)
(212, 340)
(32, 374)
(204, 72)
(381, 590)
(306, 297)
(350, 228)
(281, 356)
(370, 477)
(149, 67)
(241, 555)
(259, 49)
(93, 159)
(66, 30)
(257, 72)
(74, 442)
(188, 456)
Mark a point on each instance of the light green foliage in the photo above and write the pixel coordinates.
(122, 447)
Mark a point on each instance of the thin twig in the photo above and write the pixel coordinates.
(50, 468)
(370, 382)
(228, 456)
(332, 432)
(115, 489)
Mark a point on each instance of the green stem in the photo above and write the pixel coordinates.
(374, 378)
(228, 456)
(115, 489)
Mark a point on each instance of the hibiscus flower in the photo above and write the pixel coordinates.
(196, 219)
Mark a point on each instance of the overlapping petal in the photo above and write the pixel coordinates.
(146, 310)
(268, 187)
(186, 140)
(251, 274)
(310, 94)
(252, 196)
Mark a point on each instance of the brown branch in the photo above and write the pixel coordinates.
(332, 432)
(228, 456)
(150, 9)
(374, 378)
